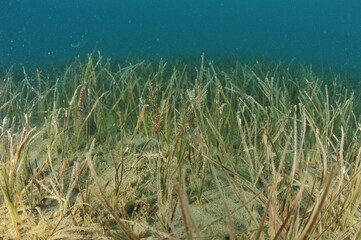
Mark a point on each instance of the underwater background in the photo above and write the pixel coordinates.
(161, 119)
(48, 31)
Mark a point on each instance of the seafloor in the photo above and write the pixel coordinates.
(179, 149)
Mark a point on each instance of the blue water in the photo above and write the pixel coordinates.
(310, 31)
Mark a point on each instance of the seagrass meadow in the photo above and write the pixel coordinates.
(157, 149)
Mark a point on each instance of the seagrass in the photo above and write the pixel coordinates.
(177, 149)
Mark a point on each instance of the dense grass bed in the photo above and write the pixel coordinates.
(179, 150)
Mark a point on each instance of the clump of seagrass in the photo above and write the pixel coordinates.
(12, 167)
(80, 104)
